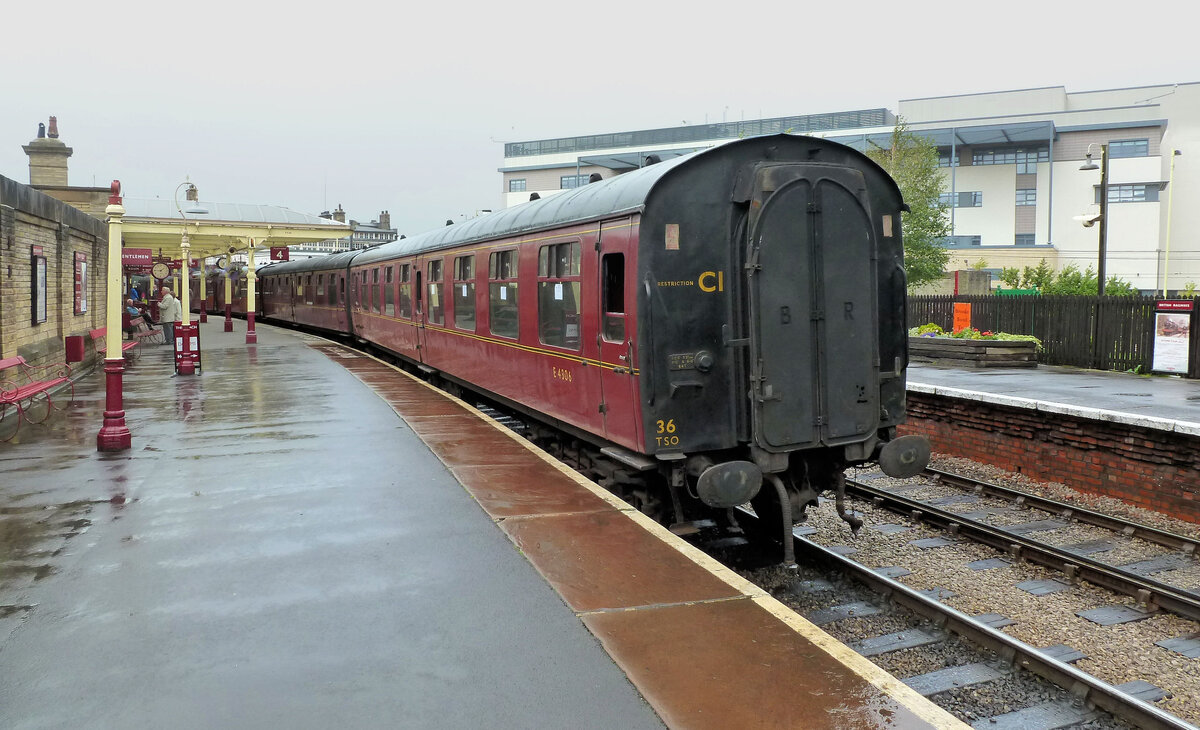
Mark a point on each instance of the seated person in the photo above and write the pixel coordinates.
(133, 313)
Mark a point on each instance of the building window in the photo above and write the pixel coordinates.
(1025, 159)
(944, 159)
(961, 241)
(568, 182)
(502, 294)
(1129, 148)
(558, 295)
(962, 200)
(464, 292)
(1024, 239)
(437, 314)
(1027, 196)
(516, 186)
(1137, 193)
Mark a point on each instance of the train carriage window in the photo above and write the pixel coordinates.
(376, 299)
(558, 295)
(308, 287)
(354, 291)
(436, 314)
(613, 280)
(320, 285)
(502, 294)
(464, 292)
(406, 291)
(389, 292)
(341, 290)
(364, 292)
(334, 279)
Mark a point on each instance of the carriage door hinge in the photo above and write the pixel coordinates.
(762, 390)
(603, 407)
(752, 264)
(819, 421)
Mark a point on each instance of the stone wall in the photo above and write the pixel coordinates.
(1152, 463)
(30, 220)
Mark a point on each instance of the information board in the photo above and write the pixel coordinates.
(1172, 335)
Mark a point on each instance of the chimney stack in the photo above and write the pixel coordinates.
(385, 219)
(48, 158)
(339, 215)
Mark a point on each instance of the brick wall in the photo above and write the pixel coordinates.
(1151, 468)
(30, 219)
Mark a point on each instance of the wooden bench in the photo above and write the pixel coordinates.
(142, 331)
(99, 334)
(22, 385)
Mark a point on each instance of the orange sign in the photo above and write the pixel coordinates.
(962, 316)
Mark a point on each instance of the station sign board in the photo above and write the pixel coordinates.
(137, 257)
(280, 253)
(1172, 335)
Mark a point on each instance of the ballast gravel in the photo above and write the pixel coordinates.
(1115, 654)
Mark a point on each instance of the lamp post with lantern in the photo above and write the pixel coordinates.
(1103, 218)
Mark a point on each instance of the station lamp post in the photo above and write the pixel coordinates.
(1170, 199)
(186, 366)
(1103, 218)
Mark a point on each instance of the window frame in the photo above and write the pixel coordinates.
(1126, 148)
(435, 273)
(550, 273)
(463, 283)
(503, 270)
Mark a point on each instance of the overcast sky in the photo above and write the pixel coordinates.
(405, 106)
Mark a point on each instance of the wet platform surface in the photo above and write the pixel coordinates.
(304, 537)
(1155, 396)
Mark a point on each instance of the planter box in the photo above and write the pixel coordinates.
(972, 353)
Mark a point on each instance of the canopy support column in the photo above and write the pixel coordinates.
(114, 434)
(251, 335)
(228, 302)
(203, 293)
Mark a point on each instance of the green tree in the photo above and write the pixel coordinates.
(912, 162)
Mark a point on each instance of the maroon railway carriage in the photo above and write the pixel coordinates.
(711, 324)
(214, 292)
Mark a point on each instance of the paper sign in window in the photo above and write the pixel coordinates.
(672, 236)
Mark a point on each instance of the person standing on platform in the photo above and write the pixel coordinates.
(169, 312)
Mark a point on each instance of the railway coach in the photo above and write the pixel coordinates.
(721, 328)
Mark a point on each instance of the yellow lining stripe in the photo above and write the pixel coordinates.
(511, 344)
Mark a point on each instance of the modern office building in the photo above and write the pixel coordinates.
(1015, 190)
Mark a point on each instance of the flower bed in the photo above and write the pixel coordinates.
(971, 348)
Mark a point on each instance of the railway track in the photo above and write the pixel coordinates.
(1150, 593)
(997, 657)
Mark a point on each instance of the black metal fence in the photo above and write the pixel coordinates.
(1104, 333)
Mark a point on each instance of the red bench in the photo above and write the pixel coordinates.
(99, 334)
(22, 385)
(141, 331)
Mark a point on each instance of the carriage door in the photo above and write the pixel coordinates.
(419, 307)
(814, 321)
(618, 384)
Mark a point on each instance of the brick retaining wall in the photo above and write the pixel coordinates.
(1148, 467)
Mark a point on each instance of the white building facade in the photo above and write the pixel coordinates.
(1012, 161)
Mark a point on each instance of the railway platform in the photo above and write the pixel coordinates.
(1169, 398)
(305, 537)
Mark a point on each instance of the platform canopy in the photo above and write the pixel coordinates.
(216, 229)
